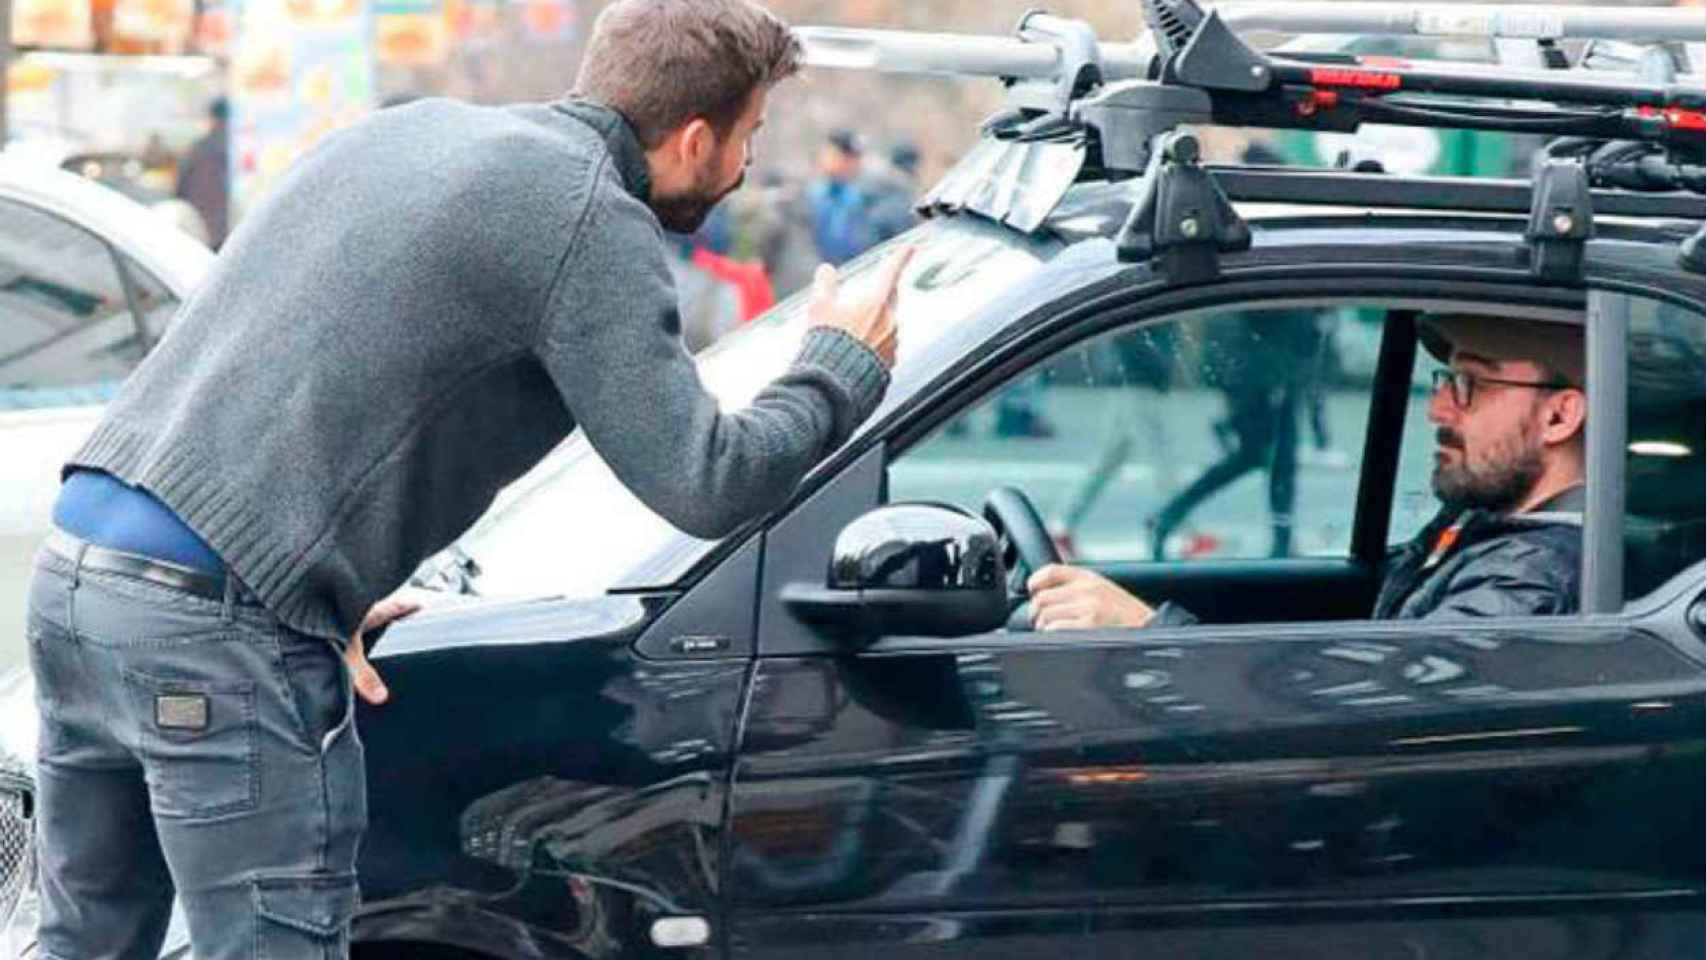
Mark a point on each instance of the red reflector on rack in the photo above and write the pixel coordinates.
(1362, 79)
(1678, 119)
(1317, 100)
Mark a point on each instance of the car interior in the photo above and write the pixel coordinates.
(1272, 453)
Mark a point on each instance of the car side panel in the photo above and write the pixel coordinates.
(1426, 785)
(537, 789)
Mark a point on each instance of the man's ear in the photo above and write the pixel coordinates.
(1565, 416)
(681, 153)
(698, 142)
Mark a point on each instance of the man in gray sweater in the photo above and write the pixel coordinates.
(430, 302)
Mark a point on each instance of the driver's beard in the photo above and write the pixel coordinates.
(686, 212)
(1500, 483)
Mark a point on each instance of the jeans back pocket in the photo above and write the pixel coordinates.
(198, 742)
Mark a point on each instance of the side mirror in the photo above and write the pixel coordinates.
(923, 569)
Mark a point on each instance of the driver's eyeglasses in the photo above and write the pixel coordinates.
(1463, 385)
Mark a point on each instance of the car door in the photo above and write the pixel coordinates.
(1285, 778)
(76, 317)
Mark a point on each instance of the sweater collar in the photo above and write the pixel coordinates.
(619, 138)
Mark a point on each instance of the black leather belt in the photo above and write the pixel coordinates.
(90, 557)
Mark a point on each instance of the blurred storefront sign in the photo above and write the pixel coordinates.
(153, 27)
(150, 27)
(548, 21)
(138, 76)
(64, 107)
(300, 69)
(474, 21)
(214, 29)
(54, 24)
(410, 33)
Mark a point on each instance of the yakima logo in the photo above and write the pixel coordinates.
(1365, 79)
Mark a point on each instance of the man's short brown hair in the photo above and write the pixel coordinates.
(663, 63)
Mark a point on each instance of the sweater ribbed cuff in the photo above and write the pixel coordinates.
(853, 365)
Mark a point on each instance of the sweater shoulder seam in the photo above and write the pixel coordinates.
(572, 249)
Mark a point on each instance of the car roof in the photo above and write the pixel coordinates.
(172, 256)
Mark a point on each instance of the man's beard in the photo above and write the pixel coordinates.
(1500, 483)
(686, 212)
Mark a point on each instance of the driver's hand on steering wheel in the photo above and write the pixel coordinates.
(1071, 598)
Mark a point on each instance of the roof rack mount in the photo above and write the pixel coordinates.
(1493, 21)
(1080, 104)
(1197, 50)
(902, 51)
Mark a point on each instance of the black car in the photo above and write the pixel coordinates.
(832, 734)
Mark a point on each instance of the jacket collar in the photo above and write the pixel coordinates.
(1570, 500)
(1476, 525)
(619, 138)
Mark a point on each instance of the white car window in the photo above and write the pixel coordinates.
(67, 335)
(154, 303)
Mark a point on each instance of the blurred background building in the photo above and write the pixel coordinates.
(198, 106)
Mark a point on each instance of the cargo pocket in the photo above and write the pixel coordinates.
(303, 916)
(198, 743)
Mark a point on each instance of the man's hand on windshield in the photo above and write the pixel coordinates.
(384, 613)
(1070, 598)
(868, 316)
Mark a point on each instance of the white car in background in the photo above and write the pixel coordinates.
(88, 281)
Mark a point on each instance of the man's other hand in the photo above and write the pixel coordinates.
(384, 613)
(1070, 598)
(867, 316)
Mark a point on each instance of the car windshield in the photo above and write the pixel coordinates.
(569, 528)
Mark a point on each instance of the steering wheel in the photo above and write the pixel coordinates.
(1026, 545)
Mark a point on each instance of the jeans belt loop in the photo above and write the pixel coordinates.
(77, 566)
(228, 606)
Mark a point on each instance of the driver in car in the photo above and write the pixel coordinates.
(1510, 412)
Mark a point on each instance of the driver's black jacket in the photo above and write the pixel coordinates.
(1495, 565)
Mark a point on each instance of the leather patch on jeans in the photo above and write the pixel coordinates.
(181, 711)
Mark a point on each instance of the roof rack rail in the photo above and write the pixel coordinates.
(1078, 105)
(1493, 21)
(1379, 191)
(1015, 58)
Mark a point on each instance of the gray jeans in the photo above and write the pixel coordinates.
(193, 746)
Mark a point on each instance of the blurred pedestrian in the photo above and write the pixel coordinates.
(709, 307)
(891, 190)
(428, 304)
(776, 227)
(839, 206)
(204, 178)
(754, 293)
(1268, 362)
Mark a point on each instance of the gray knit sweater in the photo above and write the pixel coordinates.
(430, 302)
